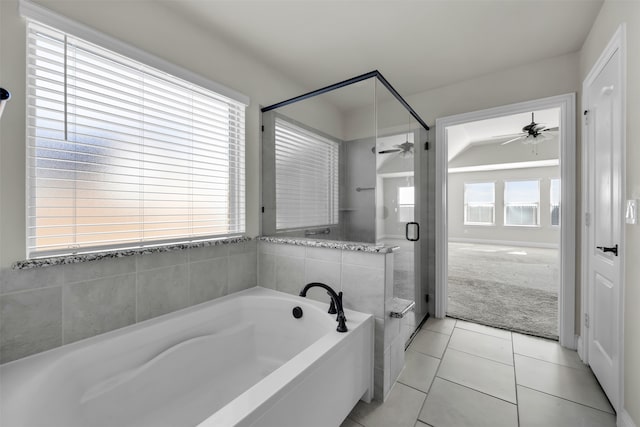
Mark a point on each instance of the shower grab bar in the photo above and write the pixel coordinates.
(359, 189)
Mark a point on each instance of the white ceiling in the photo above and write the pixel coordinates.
(417, 45)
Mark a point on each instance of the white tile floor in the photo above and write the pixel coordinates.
(461, 374)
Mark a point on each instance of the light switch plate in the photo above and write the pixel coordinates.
(631, 214)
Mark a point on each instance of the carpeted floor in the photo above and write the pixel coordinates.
(512, 288)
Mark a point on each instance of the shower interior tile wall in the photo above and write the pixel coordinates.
(43, 308)
(366, 280)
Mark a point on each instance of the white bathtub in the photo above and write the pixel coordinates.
(241, 360)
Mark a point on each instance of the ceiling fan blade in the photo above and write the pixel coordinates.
(511, 140)
(551, 129)
(389, 151)
(509, 135)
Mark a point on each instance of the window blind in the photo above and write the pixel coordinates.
(123, 155)
(306, 177)
(521, 203)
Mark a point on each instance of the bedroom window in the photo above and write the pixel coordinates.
(306, 177)
(123, 155)
(479, 203)
(522, 203)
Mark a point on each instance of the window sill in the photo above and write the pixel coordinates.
(94, 256)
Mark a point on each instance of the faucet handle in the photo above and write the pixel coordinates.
(332, 305)
(342, 325)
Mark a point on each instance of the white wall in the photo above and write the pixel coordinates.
(150, 26)
(549, 77)
(612, 14)
(545, 234)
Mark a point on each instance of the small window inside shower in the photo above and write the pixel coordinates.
(307, 177)
(406, 203)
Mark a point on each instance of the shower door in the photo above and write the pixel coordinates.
(399, 143)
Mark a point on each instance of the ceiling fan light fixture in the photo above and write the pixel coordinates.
(536, 139)
(533, 133)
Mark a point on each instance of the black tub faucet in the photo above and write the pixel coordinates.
(336, 303)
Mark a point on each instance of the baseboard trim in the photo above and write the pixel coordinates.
(624, 420)
(573, 343)
(581, 349)
(505, 243)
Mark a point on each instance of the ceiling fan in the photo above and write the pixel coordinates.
(533, 133)
(403, 149)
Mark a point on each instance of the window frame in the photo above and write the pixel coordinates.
(465, 205)
(412, 206)
(236, 190)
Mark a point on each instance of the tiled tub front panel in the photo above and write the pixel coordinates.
(366, 278)
(45, 307)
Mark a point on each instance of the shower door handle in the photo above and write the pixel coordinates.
(417, 234)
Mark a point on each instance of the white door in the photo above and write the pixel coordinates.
(604, 136)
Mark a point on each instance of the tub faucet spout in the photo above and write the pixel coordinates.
(336, 303)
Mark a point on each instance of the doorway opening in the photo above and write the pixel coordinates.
(505, 231)
(504, 222)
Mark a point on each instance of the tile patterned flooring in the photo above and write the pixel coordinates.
(460, 374)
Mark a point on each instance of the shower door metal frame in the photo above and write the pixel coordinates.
(365, 76)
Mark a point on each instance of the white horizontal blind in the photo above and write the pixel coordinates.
(306, 177)
(122, 155)
(521, 203)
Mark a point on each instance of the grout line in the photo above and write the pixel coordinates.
(483, 333)
(435, 375)
(478, 391)
(529, 334)
(136, 313)
(416, 389)
(62, 305)
(582, 369)
(354, 421)
(515, 378)
(567, 400)
(587, 371)
(22, 291)
(482, 357)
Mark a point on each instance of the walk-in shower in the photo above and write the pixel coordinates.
(347, 162)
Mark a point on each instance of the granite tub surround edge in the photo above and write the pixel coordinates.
(95, 256)
(330, 244)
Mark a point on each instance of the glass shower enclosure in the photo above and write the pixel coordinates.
(347, 163)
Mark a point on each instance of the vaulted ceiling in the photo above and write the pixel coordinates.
(417, 45)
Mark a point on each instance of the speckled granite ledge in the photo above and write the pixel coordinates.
(330, 244)
(94, 256)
